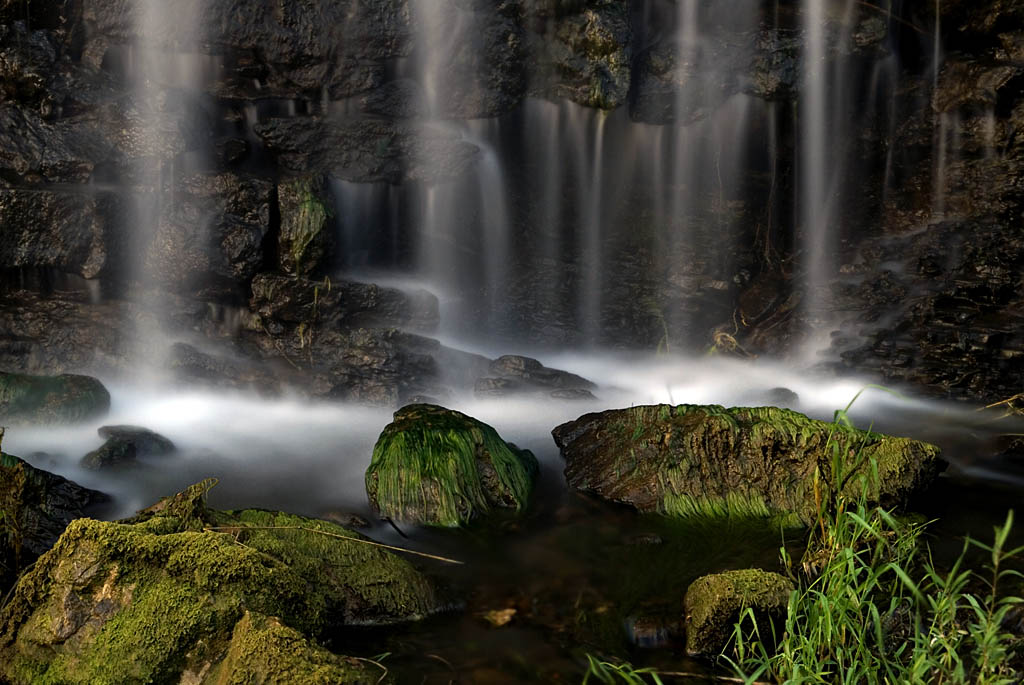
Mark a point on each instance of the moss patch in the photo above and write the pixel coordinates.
(51, 399)
(693, 460)
(303, 239)
(263, 650)
(437, 466)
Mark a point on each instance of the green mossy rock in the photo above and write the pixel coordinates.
(714, 604)
(440, 467)
(693, 460)
(302, 243)
(51, 399)
(264, 651)
(161, 595)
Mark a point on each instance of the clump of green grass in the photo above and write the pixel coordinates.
(611, 674)
(872, 606)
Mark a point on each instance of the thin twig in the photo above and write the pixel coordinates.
(377, 664)
(335, 535)
(892, 16)
(443, 661)
(719, 678)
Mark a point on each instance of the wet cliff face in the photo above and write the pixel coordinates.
(650, 178)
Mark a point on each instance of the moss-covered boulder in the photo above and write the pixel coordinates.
(691, 460)
(51, 399)
(714, 604)
(35, 507)
(161, 595)
(440, 467)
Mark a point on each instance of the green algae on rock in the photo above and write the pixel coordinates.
(51, 399)
(161, 595)
(709, 461)
(440, 467)
(714, 604)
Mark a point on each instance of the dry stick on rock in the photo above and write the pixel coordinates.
(218, 529)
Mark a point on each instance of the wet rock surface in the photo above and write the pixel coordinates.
(125, 443)
(712, 462)
(437, 466)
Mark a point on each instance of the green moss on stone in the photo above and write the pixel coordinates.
(302, 242)
(263, 650)
(714, 604)
(437, 466)
(51, 399)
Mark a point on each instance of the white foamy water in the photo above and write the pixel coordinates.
(310, 457)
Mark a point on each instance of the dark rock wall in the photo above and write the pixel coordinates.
(926, 262)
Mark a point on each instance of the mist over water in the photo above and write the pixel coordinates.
(309, 457)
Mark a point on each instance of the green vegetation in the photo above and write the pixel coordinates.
(881, 611)
(440, 467)
(607, 672)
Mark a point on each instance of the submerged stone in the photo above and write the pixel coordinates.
(440, 467)
(51, 399)
(714, 604)
(692, 460)
(165, 595)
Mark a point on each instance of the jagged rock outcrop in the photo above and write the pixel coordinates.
(516, 375)
(35, 507)
(209, 239)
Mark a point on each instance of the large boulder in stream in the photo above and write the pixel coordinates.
(51, 399)
(693, 460)
(440, 467)
(35, 507)
(184, 593)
